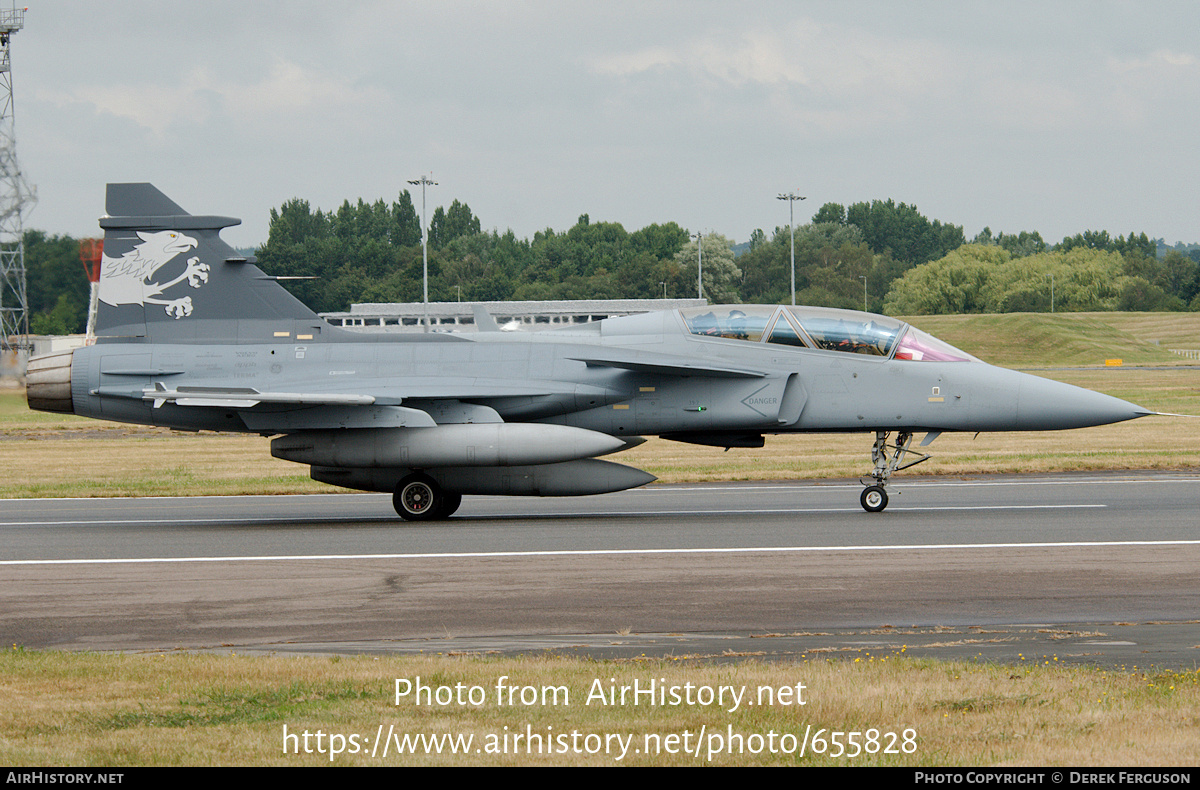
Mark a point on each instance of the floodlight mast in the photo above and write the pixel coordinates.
(17, 197)
(791, 198)
(424, 181)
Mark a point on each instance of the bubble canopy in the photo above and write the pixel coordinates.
(823, 329)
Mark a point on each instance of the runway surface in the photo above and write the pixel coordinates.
(1098, 568)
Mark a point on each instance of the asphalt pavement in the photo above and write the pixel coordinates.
(1095, 568)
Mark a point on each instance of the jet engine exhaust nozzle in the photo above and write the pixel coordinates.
(48, 383)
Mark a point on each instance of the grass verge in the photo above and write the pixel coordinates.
(182, 709)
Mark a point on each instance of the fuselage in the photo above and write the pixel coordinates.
(651, 374)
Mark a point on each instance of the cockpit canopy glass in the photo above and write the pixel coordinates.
(737, 322)
(847, 330)
(827, 329)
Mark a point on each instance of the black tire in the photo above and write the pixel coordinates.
(874, 499)
(418, 497)
(450, 503)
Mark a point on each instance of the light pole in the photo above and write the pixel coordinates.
(699, 265)
(1051, 276)
(791, 198)
(424, 181)
(864, 279)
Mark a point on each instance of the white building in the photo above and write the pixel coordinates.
(526, 316)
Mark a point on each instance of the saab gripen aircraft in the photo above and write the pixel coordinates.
(193, 336)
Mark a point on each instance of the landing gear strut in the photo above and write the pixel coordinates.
(418, 497)
(874, 497)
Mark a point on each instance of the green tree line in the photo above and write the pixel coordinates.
(1078, 275)
(881, 254)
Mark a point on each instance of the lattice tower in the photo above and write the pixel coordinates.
(17, 198)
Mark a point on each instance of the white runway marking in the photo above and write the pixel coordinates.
(606, 513)
(901, 483)
(615, 552)
(813, 486)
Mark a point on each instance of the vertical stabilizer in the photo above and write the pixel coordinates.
(167, 276)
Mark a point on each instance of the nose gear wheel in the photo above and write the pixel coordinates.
(888, 458)
(873, 499)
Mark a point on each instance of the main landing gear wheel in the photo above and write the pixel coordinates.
(450, 503)
(418, 497)
(874, 499)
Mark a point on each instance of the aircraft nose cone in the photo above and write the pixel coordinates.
(1043, 404)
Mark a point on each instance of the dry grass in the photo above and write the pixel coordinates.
(1169, 330)
(63, 455)
(120, 461)
(57, 455)
(1024, 339)
(177, 709)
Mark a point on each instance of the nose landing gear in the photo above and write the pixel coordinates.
(889, 458)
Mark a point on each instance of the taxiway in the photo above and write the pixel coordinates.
(1089, 567)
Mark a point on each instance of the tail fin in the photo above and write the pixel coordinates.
(167, 276)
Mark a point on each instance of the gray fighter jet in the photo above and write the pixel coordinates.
(193, 336)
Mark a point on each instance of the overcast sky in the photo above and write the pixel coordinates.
(1056, 117)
